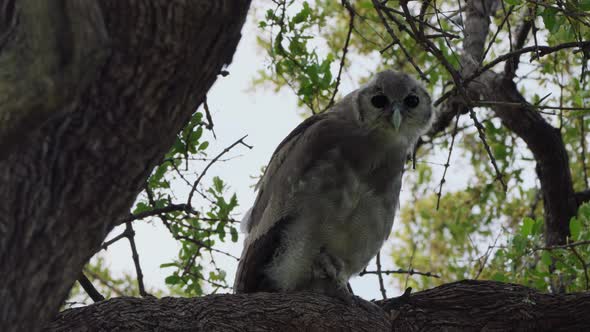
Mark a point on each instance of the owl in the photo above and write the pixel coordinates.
(328, 197)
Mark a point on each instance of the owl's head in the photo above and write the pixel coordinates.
(395, 104)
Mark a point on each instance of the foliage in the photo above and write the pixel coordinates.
(197, 231)
(479, 231)
(525, 260)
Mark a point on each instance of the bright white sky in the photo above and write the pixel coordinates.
(266, 117)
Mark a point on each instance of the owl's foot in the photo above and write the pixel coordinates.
(327, 276)
(329, 280)
(327, 266)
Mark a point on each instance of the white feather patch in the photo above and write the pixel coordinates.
(245, 221)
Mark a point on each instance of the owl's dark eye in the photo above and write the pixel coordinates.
(379, 101)
(412, 101)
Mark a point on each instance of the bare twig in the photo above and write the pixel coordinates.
(106, 283)
(226, 150)
(378, 8)
(89, 288)
(511, 65)
(486, 256)
(583, 154)
(447, 164)
(380, 276)
(351, 12)
(493, 40)
(485, 103)
(583, 264)
(482, 136)
(106, 244)
(401, 271)
(131, 237)
(209, 124)
(564, 246)
(542, 51)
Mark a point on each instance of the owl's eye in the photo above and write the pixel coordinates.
(379, 101)
(412, 101)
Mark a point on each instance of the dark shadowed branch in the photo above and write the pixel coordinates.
(461, 306)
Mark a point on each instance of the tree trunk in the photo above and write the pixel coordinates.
(461, 306)
(84, 160)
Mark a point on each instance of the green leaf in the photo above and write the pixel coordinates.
(218, 184)
(513, 2)
(172, 280)
(527, 226)
(234, 234)
(549, 19)
(546, 258)
(303, 15)
(499, 277)
(168, 265)
(204, 146)
(141, 207)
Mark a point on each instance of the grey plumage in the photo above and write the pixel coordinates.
(327, 199)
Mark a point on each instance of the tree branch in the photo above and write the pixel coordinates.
(89, 288)
(461, 306)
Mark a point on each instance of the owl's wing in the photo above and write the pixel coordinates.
(276, 204)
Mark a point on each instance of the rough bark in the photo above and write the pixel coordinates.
(51, 51)
(461, 306)
(76, 175)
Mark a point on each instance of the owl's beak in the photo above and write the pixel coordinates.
(396, 116)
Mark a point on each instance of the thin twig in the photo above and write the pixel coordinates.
(89, 288)
(396, 40)
(563, 246)
(511, 65)
(535, 32)
(106, 283)
(447, 164)
(583, 154)
(485, 103)
(351, 12)
(380, 276)
(486, 257)
(493, 40)
(542, 51)
(482, 136)
(107, 244)
(209, 124)
(401, 271)
(131, 237)
(226, 150)
(584, 266)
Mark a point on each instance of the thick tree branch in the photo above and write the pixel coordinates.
(460, 306)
